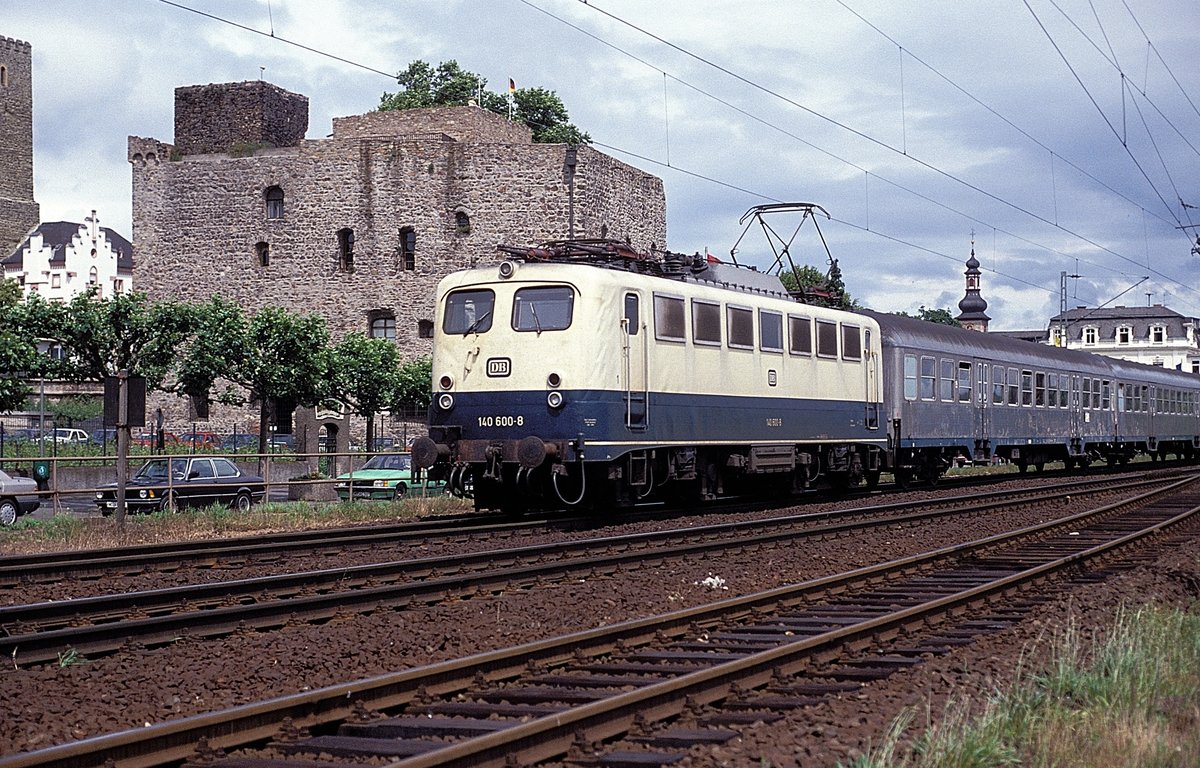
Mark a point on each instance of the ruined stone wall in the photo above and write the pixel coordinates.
(18, 211)
(197, 219)
(237, 116)
(464, 124)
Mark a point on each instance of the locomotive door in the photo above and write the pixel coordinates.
(637, 361)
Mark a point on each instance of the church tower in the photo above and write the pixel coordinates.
(19, 214)
(972, 307)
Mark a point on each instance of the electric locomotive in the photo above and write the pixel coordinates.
(582, 374)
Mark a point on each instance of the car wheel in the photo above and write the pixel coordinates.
(400, 492)
(243, 502)
(8, 512)
(169, 503)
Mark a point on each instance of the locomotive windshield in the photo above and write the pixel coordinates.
(469, 312)
(547, 308)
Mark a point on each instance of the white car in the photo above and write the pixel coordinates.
(18, 496)
(63, 435)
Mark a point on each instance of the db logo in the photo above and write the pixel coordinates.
(499, 367)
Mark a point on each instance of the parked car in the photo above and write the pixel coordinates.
(103, 435)
(149, 439)
(63, 435)
(200, 441)
(239, 441)
(192, 482)
(18, 496)
(21, 435)
(281, 442)
(382, 444)
(386, 476)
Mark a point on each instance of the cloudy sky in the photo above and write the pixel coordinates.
(1063, 135)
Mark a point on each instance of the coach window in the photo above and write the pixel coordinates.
(706, 322)
(851, 342)
(799, 335)
(770, 331)
(1026, 387)
(928, 378)
(469, 312)
(1052, 390)
(910, 377)
(631, 314)
(545, 308)
(964, 382)
(997, 385)
(740, 327)
(947, 390)
(1014, 383)
(827, 339)
(668, 318)
(1039, 391)
(1122, 405)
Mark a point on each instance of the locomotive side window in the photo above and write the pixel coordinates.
(545, 308)
(469, 312)
(669, 316)
(910, 377)
(706, 322)
(799, 335)
(1013, 384)
(827, 340)
(631, 314)
(741, 327)
(964, 382)
(947, 391)
(851, 342)
(770, 331)
(928, 377)
(997, 385)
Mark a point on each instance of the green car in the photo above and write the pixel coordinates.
(386, 476)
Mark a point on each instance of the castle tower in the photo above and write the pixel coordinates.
(19, 213)
(972, 307)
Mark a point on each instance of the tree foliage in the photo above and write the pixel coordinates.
(364, 374)
(816, 287)
(18, 350)
(940, 316)
(449, 85)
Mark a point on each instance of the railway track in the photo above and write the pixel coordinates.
(93, 626)
(226, 554)
(656, 685)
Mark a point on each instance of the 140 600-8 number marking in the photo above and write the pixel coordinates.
(501, 421)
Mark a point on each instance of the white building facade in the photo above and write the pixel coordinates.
(62, 259)
(1152, 335)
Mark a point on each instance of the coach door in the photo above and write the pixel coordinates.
(636, 354)
(983, 399)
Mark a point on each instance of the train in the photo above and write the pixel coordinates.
(585, 375)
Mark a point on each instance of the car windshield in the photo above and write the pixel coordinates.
(394, 462)
(157, 469)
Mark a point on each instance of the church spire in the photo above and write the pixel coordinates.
(972, 307)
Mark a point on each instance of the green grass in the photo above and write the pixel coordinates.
(1131, 699)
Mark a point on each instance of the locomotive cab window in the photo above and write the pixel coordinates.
(740, 322)
(770, 331)
(669, 317)
(851, 342)
(545, 308)
(469, 312)
(631, 314)
(706, 322)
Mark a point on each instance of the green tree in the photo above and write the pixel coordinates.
(449, 85)
(416, 383)
(814, 287)
(18, 348)
(365, 375)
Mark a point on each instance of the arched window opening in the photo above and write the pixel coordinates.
(462, 223)
(263, 251)
(274, 196)
(345, 239)
(4, 76)
(93, 276)
(408, 248)
(425, 329)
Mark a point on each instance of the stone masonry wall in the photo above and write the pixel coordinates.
(18, 212)
(218, 117)
(197, 219)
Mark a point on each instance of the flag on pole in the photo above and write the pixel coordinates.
(512, 91)
(512, 85)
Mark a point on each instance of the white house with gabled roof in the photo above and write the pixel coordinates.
(62, 259)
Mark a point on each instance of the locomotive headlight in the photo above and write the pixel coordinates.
(507, 269)
(445, 401)
(446, 381)
(554, 381)
(554, 400)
